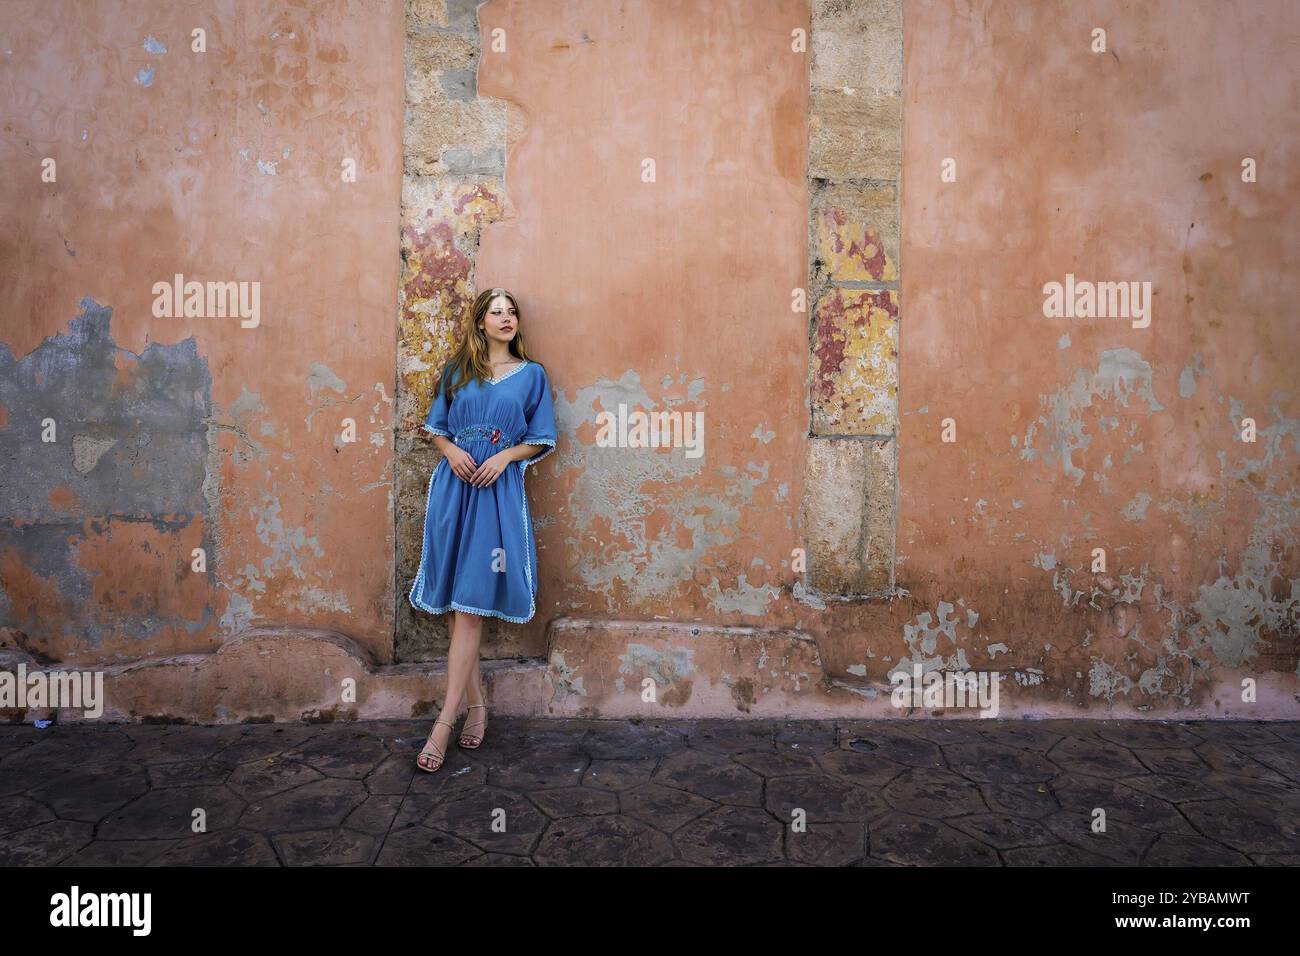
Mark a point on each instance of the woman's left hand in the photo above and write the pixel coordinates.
(490, 470)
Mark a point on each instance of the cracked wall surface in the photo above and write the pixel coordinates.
(700, 219)
(669, 293)
(1075, 434)
(177, 432)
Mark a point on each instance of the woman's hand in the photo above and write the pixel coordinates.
(461, 462)
(490, 470)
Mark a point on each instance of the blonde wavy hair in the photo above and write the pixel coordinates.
(470, 360)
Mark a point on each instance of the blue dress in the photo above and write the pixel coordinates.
(479, 555)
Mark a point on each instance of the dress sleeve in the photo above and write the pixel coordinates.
(540, 414)
(436, 420)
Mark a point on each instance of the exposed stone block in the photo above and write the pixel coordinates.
(855, 363)
(848, 515)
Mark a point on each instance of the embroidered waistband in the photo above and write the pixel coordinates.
(491, 432)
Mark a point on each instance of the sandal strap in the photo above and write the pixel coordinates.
(430, 747)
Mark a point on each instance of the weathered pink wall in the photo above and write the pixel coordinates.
(1074, 434)
(666, 295)
(224, 165)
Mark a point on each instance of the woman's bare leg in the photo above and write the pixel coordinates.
(462, 672)
(475, 699)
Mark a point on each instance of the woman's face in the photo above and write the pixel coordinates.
(501, 322)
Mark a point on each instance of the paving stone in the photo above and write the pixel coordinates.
(169, 814)
(257, 780)
(498, 859)
(823, 800)
(1174, 789)
(376, 814)
(17, 781)
(1059, 854)
(91, 795)
(420, 846)
(1177, 762)
(1248, 827)
(203, 772)
(805, 737)
(171, 744)
(66, 750)
(1003, 831)
(1095, 756)
(119, 853)
(919, 841)
(938, 730)
(1282, 757)
(628, 742)
(730, 836)
(353, 755)
(540, 771)
(732, 736)
(1226, 760)
(1028, 800)
(1276, 793)
(325, 847)
(575, 802)
(313, 806)
(492, 819)
(18, 813)
(998, 763)
(711, 775)
(1235, 732)
(1023, 734)
(664, 808)
(1121, 842)
(1082, 794)
(865, 770)
(895, 745)
(1149, 734)
(1174, 850)
(777, 764)
(392, 775)
(226, 848)
(456, 775)
(415, 807)
(935, 793)
(259, 741)
(45, 844)
(656, 792)
(827, 844)
(602, 841)
(618, 774)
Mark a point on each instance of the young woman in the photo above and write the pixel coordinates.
(491, 418)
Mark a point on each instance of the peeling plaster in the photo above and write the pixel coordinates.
(1120, 374)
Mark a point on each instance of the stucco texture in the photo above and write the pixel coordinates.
(176, 433)
(1080, 433)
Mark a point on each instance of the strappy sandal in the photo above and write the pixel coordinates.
(431, 750)
(473, 741)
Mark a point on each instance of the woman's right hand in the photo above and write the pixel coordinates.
(461, 462)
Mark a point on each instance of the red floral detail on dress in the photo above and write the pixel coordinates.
(496, 433)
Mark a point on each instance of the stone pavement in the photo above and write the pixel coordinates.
(541, 792)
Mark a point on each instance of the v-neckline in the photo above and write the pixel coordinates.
(495, 381)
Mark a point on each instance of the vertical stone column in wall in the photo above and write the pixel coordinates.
(454, 153)
(854, 163)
